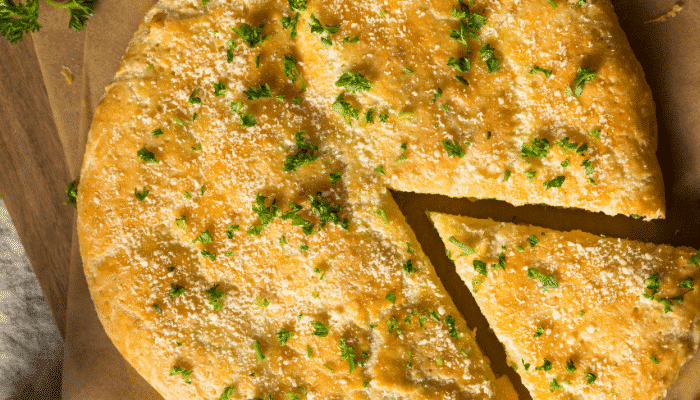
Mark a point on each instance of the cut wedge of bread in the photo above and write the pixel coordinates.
(580, 316)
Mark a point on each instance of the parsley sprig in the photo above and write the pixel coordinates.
(22, 18)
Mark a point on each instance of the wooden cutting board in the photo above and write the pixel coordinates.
(34, 173)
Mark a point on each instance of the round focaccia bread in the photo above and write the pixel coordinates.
(235, 226)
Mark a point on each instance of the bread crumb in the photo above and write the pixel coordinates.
(67, 74)
(670, 14)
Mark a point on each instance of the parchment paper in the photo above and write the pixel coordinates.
(669, 52)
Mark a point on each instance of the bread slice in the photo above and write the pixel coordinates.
(580, 316)
(234, 187)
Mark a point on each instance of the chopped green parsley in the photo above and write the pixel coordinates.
(254, 93)
(653, 284)
(292, 72)
(437, 95)
(193, 99)
(265, 214)
(547, 282)
(554, 183)
(393, 325)
(175, 290)
(687, 283)
(283, 336)
(391, 297)
(554, 385)
(583, 76)
(354, 82)
(206, 254)
(460, 64)
(469, 23)
(346, 110)
(466, 249)
(230, 45)
(184, 373)
(547, 73)
(530, 174)
(539, 331)
(475, 283)
(305, 154)
(141, 196)
(317, 27)
(506, 175)
(258, 351)
(382, 215)
(486, 54)
(536, 148)
(462, 81)
(203, 238)
(147, 156)
(327, 213)
(533, 240)
(590, 378)
(320, 329)
(219, 89)
(408, 267)
(480, 267)
(453, 148)
(570, 367)
(251, 35)
(228, 393)
(334, 178)
(546, 366)
(215, 299)
(347, 353)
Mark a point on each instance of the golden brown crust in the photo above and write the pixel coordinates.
(211, 169)
(597, 316)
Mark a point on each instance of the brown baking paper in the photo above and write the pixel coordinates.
(669, 52)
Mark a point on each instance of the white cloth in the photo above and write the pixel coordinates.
(31, 349)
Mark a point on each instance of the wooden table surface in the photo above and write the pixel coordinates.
(34, 173)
